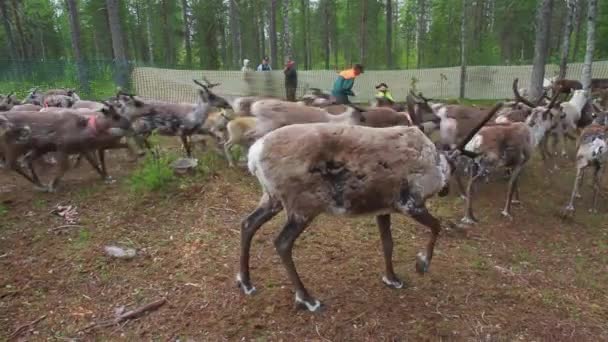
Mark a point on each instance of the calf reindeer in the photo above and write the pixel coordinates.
(592, 151)
(506, 145)
(310, 169)
(175, 119)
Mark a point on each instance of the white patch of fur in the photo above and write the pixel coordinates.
(440, 110)
(444, 170)
(310, 307)
(502, 119)
(255, 155)
(447, 129)
(474, 144)
(596, 150)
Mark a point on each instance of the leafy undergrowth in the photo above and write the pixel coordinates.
(537, 277)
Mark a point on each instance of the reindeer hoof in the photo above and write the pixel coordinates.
(578, 195)
(247, 289)
(109, 180)
(463, 197)
(516, 202)
(506, 214)
(311, 304)
(395, 283)
(41, 188)
(422, 263)
(468, 220)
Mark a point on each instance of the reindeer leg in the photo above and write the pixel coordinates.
(29, 159)
(294, 226)
(420, 213)
(597, 181)
(475, 173)
(186, 144)
(461, 189)
(13, 164)
(102, 163)
(512, 185)
(384, 225)
(227, 146)
(569, 210)
(266, 210)
(64, 165)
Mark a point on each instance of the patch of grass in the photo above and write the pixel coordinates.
(209, 163)
(83, 239)
(3, 210)
(154, 174)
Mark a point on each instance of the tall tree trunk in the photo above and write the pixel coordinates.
(286, 33)
(543, 20)
(308, 37)
(389, 34)
(167, 29)
(235, 32)
(463, 51)
(187, 34)
(273, 33)
(326, 50)
(20, 33)
(363, 32)
(571, 12)
(262, 32)
(421, 32)
(591, 19)
(118, 46)
(580, 13)
(76, 45)
(10, 41)
(304, 30)
(149, 32)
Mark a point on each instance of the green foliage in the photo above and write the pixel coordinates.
(154, 174)
(3, 210)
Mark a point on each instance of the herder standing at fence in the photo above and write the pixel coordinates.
(344, 84)
(291, 80)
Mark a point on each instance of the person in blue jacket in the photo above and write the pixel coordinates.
(344, 84)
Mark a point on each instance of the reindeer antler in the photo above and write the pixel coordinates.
(518, 97)
(209, 84)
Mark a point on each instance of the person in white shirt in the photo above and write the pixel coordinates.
(265, 66)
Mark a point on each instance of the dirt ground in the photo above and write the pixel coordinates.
(535, 278)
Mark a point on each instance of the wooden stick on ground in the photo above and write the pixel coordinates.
(127, 315)
(22, 328)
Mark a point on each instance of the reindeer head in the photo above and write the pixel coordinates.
(543, 118)
(418, 107)
(34, 97)
(119, 125)
(208, 97)
(448, 159)
(129, 106)
(7, 102)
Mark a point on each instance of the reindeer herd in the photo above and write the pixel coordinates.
(313, 156)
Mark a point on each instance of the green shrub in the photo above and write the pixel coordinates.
(154, 174)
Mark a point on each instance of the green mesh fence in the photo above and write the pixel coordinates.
(482, 82)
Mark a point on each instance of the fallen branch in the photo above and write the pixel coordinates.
(224, 209)
(22, 328)
(66, 226)
(126, 316)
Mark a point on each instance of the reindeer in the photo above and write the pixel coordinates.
(8, 102)
(273, 114)
(25, 108)
(65, 133)
(237, 131)
(310, 169)
(177, 119)
(506, 145)
(592, 150)
(52, 98)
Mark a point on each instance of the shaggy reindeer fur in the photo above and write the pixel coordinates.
(592, 150)
(53, 98)
(310, 169)
(8, 102)
(598, 83)
(90, 105)
(63, 132)
(506, 145)
(25, 108)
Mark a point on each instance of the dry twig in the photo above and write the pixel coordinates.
(126, 316)
(22, 328)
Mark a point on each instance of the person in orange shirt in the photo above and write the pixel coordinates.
(344, 84)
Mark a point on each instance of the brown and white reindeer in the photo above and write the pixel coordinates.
(336, 169)
(174, 119)
(507, 145)
(65, 133)
(592, 151)
(52, 98)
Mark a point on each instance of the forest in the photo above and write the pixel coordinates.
(318, 34)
